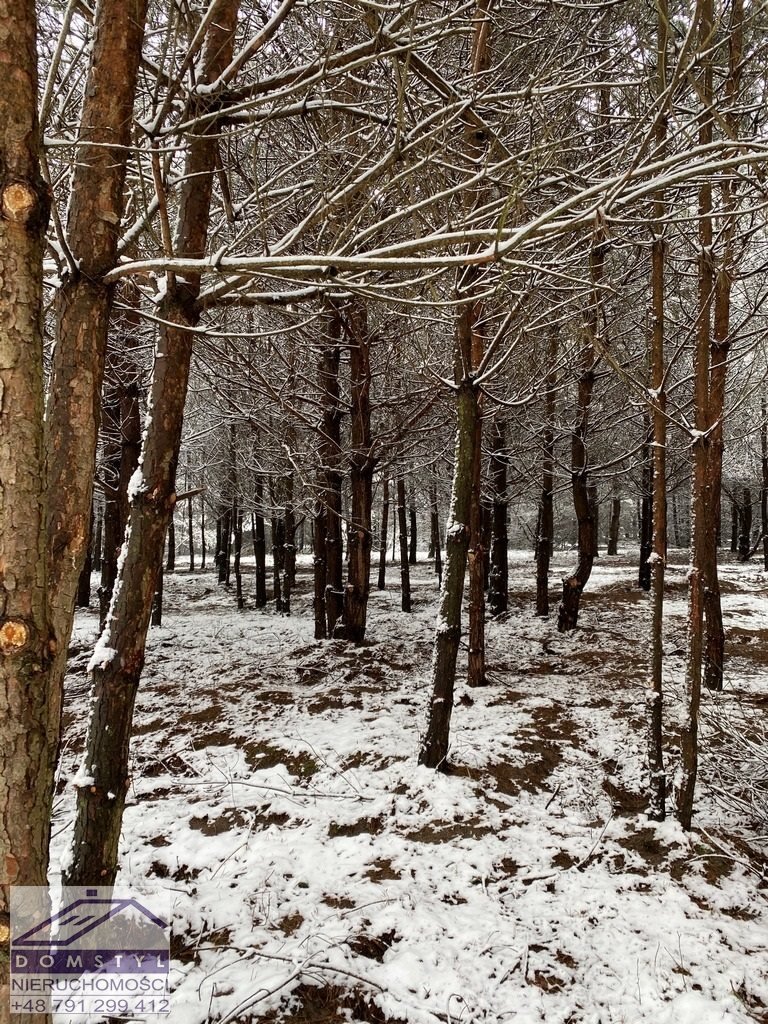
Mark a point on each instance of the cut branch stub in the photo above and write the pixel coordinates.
(14, 636)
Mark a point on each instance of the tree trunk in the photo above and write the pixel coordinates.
(156, 618)
(84, 583)
(382, 581)
(329, 482)
(436, 543)
(646, 507)
(764, 479)
(702, 535)
(319, 569)
(119, 656)
(613, 526)
(83, 303)
(170, 563)
(405, 575)
(203, 545)
(435, 744)
(745, 525)
(289, 545)
(260, 546)
(573, 585)
(545, 527)
(278, 556)
(734, 524)
(190, 535)
(476, 567)
(28, 730)
(499, 575)
(362, 465)
(657, 782)
(114, 526)
(238, 515)
(97, 543)
(412, 525)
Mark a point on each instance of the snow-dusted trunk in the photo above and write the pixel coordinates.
(319, 569)
(382, 580)
(259, 544)
(83, 303)
(700, 493)
(362, 464)
(646, 505)
(119, 656)
(476, 566)
(329, 473)
(764, 478)
(499, 575)
(434, 747)
(405, 574)
(545, 526)
(657, 782)
(573, 585)
(238, 519)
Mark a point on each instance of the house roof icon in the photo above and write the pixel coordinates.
(82, 917)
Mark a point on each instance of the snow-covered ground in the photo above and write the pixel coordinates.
(315, 870)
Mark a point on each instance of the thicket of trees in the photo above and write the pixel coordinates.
(419, 264)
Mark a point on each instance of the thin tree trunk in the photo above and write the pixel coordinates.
(434, 517)
(238, 516)
(764, 479)
(114, 526)
(278, 554)
(97, 543)
(745, 525)
(170, 563)
(613, 526)
(405, 575)
(329, 474)
(190, 535)
(260, 546)
(720, 344)
(646, 506)
(382, 581)
(545, 526)
(203, 545)
(157, 599)
(119, 656)
(412, 525)
(84, 583)
(657, 782)
(573, 585)
(476, 567)
(499, 575)
(362, 465)
(289, 545)
(319, 569)
(701, 533)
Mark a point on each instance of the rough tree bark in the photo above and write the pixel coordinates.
(647, 493)
(28, 731)
(119, 655)
(84, 302)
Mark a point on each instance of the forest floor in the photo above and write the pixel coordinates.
(317, 874)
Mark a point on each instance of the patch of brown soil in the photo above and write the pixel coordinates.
(261, 755)
(327, 1004)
